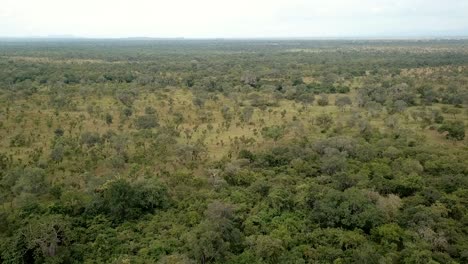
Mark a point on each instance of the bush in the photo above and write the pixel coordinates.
(349, 209)
(19, 141)
(323, 100)
(90, 138)
(123, 201)
(455, 130)
(146, 122)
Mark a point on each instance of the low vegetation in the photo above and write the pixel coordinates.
(221, 151)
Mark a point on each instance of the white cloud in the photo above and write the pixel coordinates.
(233, 18)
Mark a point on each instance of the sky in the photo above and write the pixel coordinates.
(233, 18)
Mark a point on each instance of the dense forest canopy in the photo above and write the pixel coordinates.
(233, 151)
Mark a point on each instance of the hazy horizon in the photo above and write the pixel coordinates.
(242, 19)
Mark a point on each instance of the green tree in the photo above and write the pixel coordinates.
(48, 236)
(455, 130)
(146, 122)
(349, 209)
(123, 201)
(273, 132)
(267, 248)
(216, 236)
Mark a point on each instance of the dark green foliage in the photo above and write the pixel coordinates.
(216, 236)
(246, 154)
(350, 209)
(146, 121)
(122, 201)
(28, 180)
(58, 132)
(455, 130)
(40, 239)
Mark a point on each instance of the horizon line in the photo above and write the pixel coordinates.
(363, 37)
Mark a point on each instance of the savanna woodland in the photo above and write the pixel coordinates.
(233, 151)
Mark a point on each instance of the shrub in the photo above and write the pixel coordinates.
(146, 122)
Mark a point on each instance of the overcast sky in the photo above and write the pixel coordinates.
(234, 18)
